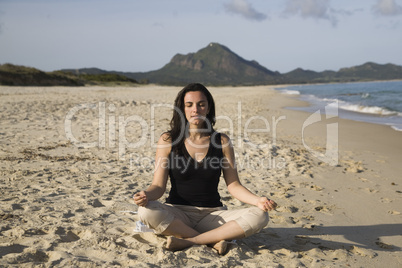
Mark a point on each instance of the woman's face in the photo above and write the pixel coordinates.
(195, 107)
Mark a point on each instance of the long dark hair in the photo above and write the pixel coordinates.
(179, 123)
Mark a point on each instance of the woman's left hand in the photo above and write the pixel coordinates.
(266, 204)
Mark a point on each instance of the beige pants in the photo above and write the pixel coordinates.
(159, 216)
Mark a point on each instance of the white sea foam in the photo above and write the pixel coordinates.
(366, 109)
(374, 110)
(397, 128)
(332, 100)
(360, 102)
(290, 92)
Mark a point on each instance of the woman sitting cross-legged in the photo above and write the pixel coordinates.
(193, 156)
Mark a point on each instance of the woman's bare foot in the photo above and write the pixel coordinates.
(173, 243)
(221, 247)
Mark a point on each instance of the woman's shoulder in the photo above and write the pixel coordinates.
(165, 138)
(224, 137)
(165, 142)
(225, 140)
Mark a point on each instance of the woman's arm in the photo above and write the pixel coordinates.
(231, 176)
(158, 185)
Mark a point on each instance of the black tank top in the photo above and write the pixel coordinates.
(196, 183)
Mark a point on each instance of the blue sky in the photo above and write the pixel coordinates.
(134, 35)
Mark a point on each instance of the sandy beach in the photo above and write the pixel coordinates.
(71, 159)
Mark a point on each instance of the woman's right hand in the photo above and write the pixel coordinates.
(266, 204)
(141, 198)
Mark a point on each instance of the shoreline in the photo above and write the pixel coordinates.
(352, 111)
(68, 205)
(353, 135)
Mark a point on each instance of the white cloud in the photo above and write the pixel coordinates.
(242, 7)
(317, 9)
(387, 8)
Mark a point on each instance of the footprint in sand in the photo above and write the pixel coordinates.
(363, 179)
(277, 219)
(385, 200)
(353, 167)
(96, 203)
(291, 220)
(301, 240)
(290, 209)
(16, 232)
(69, 237)
(394, 212)
(311, 226)
(6, 249)
(383, 245)
(308, 218)
(28, 255)
(325, 208)
(16, 207)
(316, 188)
(363, 252)
(319, 208)
(371, 191)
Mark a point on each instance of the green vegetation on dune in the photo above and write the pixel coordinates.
(14, 75)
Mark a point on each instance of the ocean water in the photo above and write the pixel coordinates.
(373, 102)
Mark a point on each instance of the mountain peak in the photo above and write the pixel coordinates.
(218, 64)
(217, 46)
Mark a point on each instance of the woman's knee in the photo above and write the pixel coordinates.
(257, 220)
(152, 214)
(143, 213)
(261, 217)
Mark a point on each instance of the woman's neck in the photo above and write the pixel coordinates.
(196, 133)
